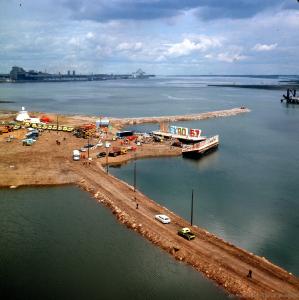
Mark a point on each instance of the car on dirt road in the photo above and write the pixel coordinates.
(163, 219)
(186, 233)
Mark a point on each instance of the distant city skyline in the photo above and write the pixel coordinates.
(163, 37)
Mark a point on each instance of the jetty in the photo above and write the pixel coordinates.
(48, 162)
(177, 118)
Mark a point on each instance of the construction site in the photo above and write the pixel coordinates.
(59, 149)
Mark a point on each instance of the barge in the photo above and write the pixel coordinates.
(201, 148)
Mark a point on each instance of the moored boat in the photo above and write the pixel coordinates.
(202, 147)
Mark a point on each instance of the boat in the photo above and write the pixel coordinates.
(201, 148)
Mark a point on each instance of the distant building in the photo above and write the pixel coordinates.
(17, 73)
(139, 74)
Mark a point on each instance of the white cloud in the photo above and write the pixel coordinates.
(90, 35)
(264, 47)
(188, 46)
(230, 57)
(74, 41)
(129, 46)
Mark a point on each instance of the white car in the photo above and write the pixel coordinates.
(163, 219)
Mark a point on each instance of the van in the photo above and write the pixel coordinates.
(76, 155)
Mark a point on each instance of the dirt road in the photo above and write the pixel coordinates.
(217, 259)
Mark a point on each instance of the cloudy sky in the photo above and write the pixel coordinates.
(159, 36)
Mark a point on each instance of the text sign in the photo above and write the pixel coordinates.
(184, 131)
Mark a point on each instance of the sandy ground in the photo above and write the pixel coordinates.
(46, 163)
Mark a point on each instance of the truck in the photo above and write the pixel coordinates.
(186, 233)
(115, 151)
(126, 133)
(33, 134)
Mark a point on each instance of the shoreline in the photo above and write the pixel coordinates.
(217, 259)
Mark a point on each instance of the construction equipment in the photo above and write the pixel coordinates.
(5, 129)
(85, 131)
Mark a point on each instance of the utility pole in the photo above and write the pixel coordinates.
(192, 209)
(88, 149)
(135, 180)
(57, 124)
(107, 167)
(134, 172)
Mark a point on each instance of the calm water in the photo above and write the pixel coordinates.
(59, 243)
(125, 98)
(246, 192)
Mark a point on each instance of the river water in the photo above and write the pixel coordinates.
(245, 192)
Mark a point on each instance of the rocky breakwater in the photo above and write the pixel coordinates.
(176, 118)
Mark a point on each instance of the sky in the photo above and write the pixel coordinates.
(163, 37)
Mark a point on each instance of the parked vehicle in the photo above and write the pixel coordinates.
(163, 219)
(101, 154)
(122, 134)
(88, 146)
(76, 155)
(28, 142)
(186, 233)
(115, 151)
